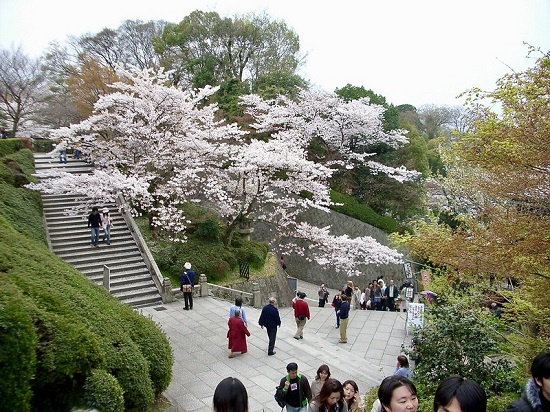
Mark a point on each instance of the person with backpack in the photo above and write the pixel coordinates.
(293, 391)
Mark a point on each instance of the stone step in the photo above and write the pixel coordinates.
(69, 236)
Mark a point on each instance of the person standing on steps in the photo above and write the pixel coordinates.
(301, 313)
(94, 223)
(187, 285)
(344, 316)
(270, 319)
(106, 222)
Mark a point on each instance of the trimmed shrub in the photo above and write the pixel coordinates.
(57, 328)
(103, 392)
(351, 207)
(18, 343)
(9, 146)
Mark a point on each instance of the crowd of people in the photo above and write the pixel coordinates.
(396, 393)
(376, 296)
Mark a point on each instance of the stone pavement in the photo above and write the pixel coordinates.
(198, 338)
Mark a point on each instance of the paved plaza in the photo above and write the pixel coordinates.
(198, 338)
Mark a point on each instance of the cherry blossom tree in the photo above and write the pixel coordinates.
(161, 147)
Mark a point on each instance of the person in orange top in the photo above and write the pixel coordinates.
(301, 313)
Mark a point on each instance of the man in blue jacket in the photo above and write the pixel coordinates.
(344, 315)
(270, 319)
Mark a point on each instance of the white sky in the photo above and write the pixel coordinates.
(410, 51)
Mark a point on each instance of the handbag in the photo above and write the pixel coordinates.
(187, 287)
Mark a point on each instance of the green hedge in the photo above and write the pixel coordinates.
(9, 146)
(351, 207)
(64, 339)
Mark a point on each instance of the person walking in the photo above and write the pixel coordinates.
(187, 285)
(294, 389)
(301, 313)
(271, 320)
(344, 316)
(106, 222)
(94, 223)
(238, 305)
(237, 334)
(352, 396)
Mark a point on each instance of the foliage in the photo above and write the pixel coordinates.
(20, 206)
(461, 336)
(178, 153)
(206, 49)
(57, 327)
(18, 342)
(349, 206)
(497, 189)
(103, 392)
(391, 115)
(9, 146)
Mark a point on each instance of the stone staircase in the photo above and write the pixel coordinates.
(69, 238)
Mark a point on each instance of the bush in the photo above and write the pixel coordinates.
(18, 342)
(57, 328)
(254, 253)
(103, 392)
(9, 146)
(351, 207)
(208, 230)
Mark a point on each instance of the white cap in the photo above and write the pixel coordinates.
(187, 265)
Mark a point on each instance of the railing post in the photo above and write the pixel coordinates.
(203, 291)
(167, 294)
(107, 278)
(256, 295)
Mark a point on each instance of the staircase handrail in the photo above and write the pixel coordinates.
(148, 258)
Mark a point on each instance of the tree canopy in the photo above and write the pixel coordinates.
(498, 191)
(162, 146)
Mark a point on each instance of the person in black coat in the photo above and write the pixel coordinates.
(536, 396)
(270, 319)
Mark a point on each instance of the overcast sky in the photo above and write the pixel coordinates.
(410, 51)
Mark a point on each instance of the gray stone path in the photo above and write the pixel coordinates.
(198, 338)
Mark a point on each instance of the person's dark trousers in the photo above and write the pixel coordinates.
(337, 319)
(188, 297)
(271, 334)
(391, 304)
(321, 303)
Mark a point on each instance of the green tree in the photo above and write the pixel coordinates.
(391, 115)
(460, 337)
(205, 46)
(497, 185)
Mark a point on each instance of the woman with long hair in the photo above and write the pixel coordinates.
(330, 399)
(352, 397)
(323, 373)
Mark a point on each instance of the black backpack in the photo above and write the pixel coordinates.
(280, 397)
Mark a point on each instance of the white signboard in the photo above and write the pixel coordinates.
(415, 316)
(407, 268)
